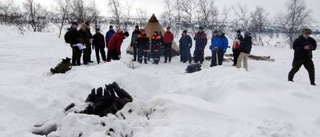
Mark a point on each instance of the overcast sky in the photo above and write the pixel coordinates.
(157, 6)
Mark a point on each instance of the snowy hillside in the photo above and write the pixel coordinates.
(215, 102)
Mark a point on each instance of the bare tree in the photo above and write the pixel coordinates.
(36, 15)
(92, 13)
(258, 22)
(142, 15)
(207, 13)
(178, 17)
(63, 11)
(241, 17)
(78, 11)
(168, 15)
(128, 7)
(116, 11)
(188, 8)
(298, 16)
(10, 14)
(222, 22)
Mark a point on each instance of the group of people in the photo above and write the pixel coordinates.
(145, 47)
(82, 41)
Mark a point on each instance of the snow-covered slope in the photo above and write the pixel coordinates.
(215, 102)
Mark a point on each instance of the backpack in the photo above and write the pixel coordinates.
(62, 67)
(193, 68)
(68, 37)
(236, 44)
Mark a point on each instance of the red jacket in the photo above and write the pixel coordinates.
(115, 42)
(168, 37)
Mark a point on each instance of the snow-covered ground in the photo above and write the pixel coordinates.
(215, 102)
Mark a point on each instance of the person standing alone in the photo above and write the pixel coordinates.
(303, 47)
(168, 39)
(99, 44)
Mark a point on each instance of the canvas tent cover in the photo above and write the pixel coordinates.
(154, 25)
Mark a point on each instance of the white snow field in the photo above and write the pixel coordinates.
(215, 102)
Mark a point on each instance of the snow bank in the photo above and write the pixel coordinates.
(221, 101)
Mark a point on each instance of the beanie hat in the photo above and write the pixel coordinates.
(201, 28)
(306, 31)
(74, 23)
(87, 23)
(247, 34)
(126, 34)
(185, 31)
(137, 27)
(110, 27)
(238, 31)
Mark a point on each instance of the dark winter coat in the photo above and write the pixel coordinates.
(135, 36)
(109, 35)
(299, 52)
(143, 42)
(168, 37)
(185, 41)
(85, 36)
(220, 42)
(115, 42)
(75, 36)
(201, 40)
(98, 40)
(156, 42)
(246, 45)
(90, 34)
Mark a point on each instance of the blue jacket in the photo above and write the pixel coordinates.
(221, 42)
(109, 35)
(185, 41)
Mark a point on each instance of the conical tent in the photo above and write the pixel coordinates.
(154, 25)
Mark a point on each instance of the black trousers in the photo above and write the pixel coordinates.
(236, 53)
(198, 55)
(76, 56)
(215, 60)
(87, 54)
(135, 53)
(100, 49)
(167, 52)
(112, 54)
(296, 65)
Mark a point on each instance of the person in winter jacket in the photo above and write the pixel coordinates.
(133, 44)
(303, 47)
(114, 45)
(245, 49)
(185, 44)
(98, 44)
(236, 47)
(143, 46)
(218, 47)
(85, 36)
(201, 42)
(88, 49)
(74, 40)
(109, 34)
(168, 39)
(156, 42)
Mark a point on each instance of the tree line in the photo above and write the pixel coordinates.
(180, 14)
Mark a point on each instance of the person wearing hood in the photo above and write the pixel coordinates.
(303, 47)
(236, 47)
(201, 42)
(245, 49)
